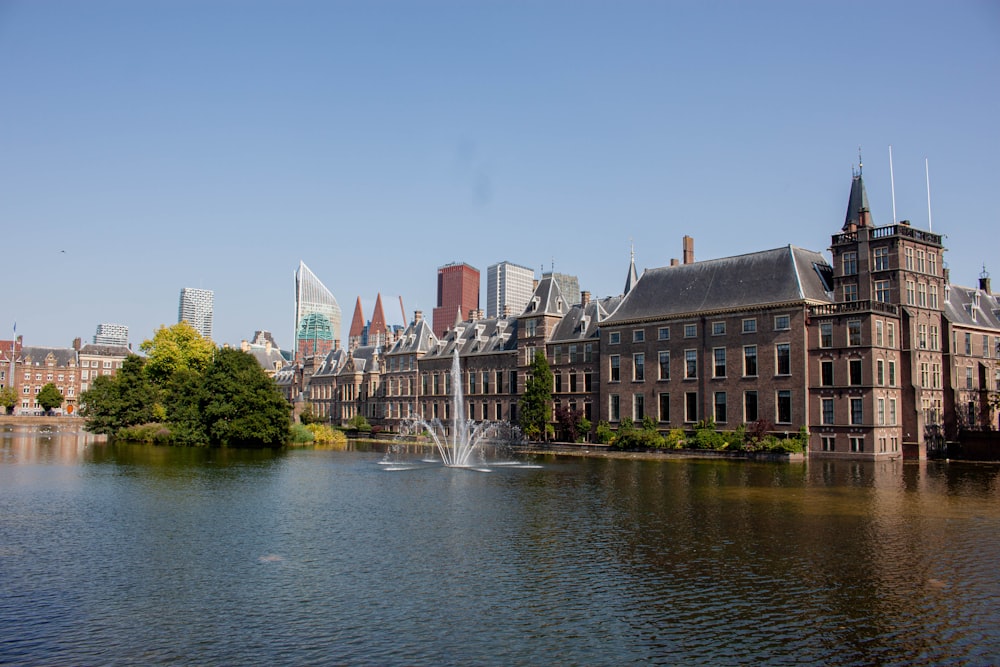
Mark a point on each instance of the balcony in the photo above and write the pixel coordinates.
(888, 231)
(853, 307)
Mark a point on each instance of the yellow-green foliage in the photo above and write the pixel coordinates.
(324, 435)
(675, 438)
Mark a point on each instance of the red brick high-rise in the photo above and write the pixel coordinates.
(457, 294)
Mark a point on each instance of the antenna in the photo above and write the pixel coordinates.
(927, 171)
(860, 164)
(892, 186)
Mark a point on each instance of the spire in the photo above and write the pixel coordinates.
(357, 322)
(858, 212)
(378, 318)
(632, 277)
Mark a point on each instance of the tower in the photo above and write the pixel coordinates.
(508, 288)
(317, 315)
(196, 309)
(457, 294)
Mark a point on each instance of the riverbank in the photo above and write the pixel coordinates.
(603, 451)
(61, 422)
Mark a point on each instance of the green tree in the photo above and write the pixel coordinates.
(359, 423)
(174, 349)
(242, 404)
(8, 399)
(183, 398)
(127, 399)
(535, 404)
(49, 397)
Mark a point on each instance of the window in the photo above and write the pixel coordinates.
(936, 376)
(750, 325)
(854, 333)
(968, 377)
(588, 352)
(690, 364)
(616, 362)
(664, 364)
(826, 373)
(718, 328)
(879, 328)
(573, 354)
(850, 263)
(588, 382)
(854, 367)
(614, 337)
(638, 407)
(920, 261)
(935, 342)
(663, 333)
(720, 407)
(486, 382)
(908, 254)
(750, 361)
(638, 367)
(559, 383)
(850, 292)
(472, 382)
(857, 412)
(892, 412)
(826, 334)
(827, 411)
(691, 406)
(664, 407)
(882, 291)
(892, 373)
(530, 326)
(881, 257)
(690, 330)
(782, 323)
(783, 355)
(828, 443)
(719, 369)
(638, 336)
(922, 295)
(857, 444)
(890, 330)
(910, 300)
(933, 301)
(750, 406)
(986, 348)
(880, 372)
(784, 407)
(922, 336)
(968, 344)
(614, 408)
(512, 382)
(880, 411)
(573, 384)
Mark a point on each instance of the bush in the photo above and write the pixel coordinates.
(604, 433)
(674, 439)
(632, 439)
(708, 438)
(301, 434)
(359, 423)
(157, 434)
(324, 435)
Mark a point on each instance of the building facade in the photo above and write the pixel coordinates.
(111, 334)
(508, 288)
(317, 315)
(457, 296)
(196, 308)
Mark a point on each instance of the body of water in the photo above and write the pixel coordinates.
(124, 555)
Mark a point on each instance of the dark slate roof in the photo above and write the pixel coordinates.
(583, 322)
(418, 338)
(776, 276)
(105, 350)
(857, 202)
(268, 358)
(485, 336)
(960, 307)
(547, 299)
(63, 355)
(363, 358)
(632, 277)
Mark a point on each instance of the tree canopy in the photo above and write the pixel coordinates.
(8, 399)
(49, 397)
(534, 407)
(174, 349)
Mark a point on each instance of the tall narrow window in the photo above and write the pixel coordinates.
(690, 364)
(638, 407)
(664, 360)
(854, 365)
(639, 367)
(720, 407)
(750, 406)
(783, 355)
(750, 360)
(850, 263)
(616, 361)
(664, 407)
(719, 368)
(827, 410)
(826, 334)
(826, 373)
(784, 412)
(691, 406)
(614, 407)
(854, 333)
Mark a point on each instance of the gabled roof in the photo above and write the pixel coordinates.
(63, 356)
(782, 275)
(417, 338)
(332, 363)
(485, 336)
(583, 322)
(961, 307)
(361, 359)
(547, 299)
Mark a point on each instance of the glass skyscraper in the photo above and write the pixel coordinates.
(196, 308)
(317, 315)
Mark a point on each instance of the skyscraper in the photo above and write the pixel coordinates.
(196, 309)
(508, 286)
(111, 334)
(457, 294)
(317, 315)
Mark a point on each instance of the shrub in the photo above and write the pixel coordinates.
(708, 438)
(674, 439)
(604, 433)
(324, 435)
(157, 434)
(301, 434)
(631, 439)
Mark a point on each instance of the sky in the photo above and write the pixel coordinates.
(155, 145)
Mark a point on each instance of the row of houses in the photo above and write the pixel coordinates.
(873, 351)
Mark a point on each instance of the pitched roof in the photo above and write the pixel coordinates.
(583, 322)
(378, 317)
(547, 299)
(963, 307)
(358, 321)
(485, 336)
(856, 203)
(417, 338)
(99, 350)
(776, 276)
(62, 355)
(632, 277)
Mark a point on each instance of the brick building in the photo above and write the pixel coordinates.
(457, 296)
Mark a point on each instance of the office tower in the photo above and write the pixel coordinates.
(508, 287)
(196, 309)
(457, 295)
(568, 285)
(317, 315)
(111, 334)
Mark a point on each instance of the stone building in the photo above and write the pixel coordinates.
(402, 376)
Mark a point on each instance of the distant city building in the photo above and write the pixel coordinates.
(508, 288)
(111, 334)
(457, 296)
(317, 315)
(569, 286)
(195, 308)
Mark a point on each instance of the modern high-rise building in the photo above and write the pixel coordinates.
(195, 308)
(111, 334)
(317, 315)
(568, 285)
(457, 295)
(508, 287)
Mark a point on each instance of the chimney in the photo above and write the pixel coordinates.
(674, 261)
(584, 298)
(244, 345)
(688, 250)
(77, 343)
(506, 311)
(417, 316)
(984, 282)
(947, 275)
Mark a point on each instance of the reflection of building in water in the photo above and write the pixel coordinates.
(57, 441)
(317, 315)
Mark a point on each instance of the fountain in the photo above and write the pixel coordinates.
(463, 445)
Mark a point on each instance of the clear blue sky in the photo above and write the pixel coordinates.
(169, 143)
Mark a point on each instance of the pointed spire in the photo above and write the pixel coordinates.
(632, 277)
(378, 318)
(357, 322)
(858, 211)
